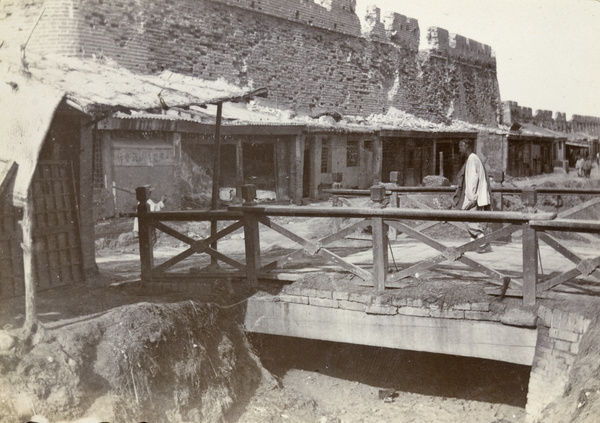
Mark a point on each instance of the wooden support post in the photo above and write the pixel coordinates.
(380, 240)
(145, 231)
(530, 265)
(214, 205)
(239, 169)
(251, 237)
(298, 168)
(380, 260)
(26, 223)
(394, 203)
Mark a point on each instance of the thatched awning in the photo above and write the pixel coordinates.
(30, 96)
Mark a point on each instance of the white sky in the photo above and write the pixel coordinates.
(547, 51)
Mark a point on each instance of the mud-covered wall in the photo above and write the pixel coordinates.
(318, 62)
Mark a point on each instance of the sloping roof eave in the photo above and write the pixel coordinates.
(23, 130)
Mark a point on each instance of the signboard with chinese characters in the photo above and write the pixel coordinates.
(143, 156)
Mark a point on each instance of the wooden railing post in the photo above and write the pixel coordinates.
(336, 178)
(530, 264)
(251, 237)
(380, 240)
(145, 231)
(529, 198)
(394, 203)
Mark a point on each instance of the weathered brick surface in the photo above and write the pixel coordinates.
(316, 63)
(559, 335)
(351, 305)
(323, 302)
(447, 314)
(413, 311)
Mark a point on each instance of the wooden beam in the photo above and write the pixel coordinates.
(239, 169)
(530, 265)
(30, 289)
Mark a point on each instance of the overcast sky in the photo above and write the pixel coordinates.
(547, 51)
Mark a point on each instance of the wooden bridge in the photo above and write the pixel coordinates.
(529, 282)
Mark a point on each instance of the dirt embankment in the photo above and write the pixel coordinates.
(178, 362)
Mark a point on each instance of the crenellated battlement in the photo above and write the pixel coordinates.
(334, 15)
(402, 30)
(512, 112)
(457, 47)
(543, 118)
(393, 28)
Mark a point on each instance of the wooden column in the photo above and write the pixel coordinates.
(380, 241)
(176, 199)
(530, 263)
(394, 203)
(239, 169)
(377, 158)
(145, 233)
(298, 169)
(251, 237)
(85, 198)
(214, 205)
(26, 223)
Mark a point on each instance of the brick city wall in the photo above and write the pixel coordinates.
(305, 66)
(559, 336)
(512, 112)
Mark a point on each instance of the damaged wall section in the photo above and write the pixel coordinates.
(306, 66)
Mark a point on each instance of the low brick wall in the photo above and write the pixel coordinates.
(387, 305)
(559, 335)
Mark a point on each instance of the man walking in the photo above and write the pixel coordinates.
(475, 188)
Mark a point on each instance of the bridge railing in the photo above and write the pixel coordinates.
(379, 219)
(150, 222)
(377, 273)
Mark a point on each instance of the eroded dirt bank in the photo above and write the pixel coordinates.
(179, 362)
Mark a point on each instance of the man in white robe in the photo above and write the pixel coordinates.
(476, 190)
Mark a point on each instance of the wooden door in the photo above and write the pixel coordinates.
(56, 239)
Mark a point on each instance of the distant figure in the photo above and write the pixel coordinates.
(598, 159)
(587, 167)
(153, 207)
(473, 192)
(579, 165)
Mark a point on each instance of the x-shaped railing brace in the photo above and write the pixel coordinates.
(450, 254)
(317, 247)
(585, 267)
(197, 246)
